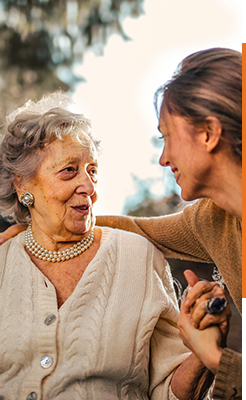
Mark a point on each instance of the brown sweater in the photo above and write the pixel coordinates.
(201, 232)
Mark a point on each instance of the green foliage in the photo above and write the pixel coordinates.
(39, 36)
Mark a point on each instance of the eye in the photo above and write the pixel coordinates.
(69, 169)
(93, 173)
(68, 172)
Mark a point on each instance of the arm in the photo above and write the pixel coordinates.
(178, 235)
(11, 232)
(194, 315)
(226, 364)
(198, 332)
(228, 384)
(182, 235)
(188, 378)
(174, 374)
(191, 380)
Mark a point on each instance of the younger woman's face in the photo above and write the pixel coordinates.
(185, 153)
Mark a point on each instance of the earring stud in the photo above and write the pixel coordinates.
(27, 199)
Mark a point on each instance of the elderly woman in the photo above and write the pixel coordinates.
(86, 312)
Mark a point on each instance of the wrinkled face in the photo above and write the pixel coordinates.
(64, 190)
(184, 151)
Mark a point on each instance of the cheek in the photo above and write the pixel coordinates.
(94, 197)
(61, 191)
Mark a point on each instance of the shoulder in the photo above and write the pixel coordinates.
(205, 212)
(13, 245)
(125, 237)
(6, 249)
(141, 251)
(135, 246)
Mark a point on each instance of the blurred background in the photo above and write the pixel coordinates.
(110, 56)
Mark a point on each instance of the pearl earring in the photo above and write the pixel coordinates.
(27, 199)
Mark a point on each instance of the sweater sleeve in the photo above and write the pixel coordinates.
(175, 235)
(167, 351)
(228, 383)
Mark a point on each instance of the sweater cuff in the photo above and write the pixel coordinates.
(171, 395)
(228, 383)
(208, 396)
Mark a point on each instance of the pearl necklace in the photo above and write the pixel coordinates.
(57, 256)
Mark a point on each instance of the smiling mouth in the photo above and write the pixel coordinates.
(176, 174)
(82, 208)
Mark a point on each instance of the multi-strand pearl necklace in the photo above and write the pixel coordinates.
(57, 256)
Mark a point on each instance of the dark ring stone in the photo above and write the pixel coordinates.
(216, 305)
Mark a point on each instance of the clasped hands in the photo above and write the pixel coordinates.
(204, 334)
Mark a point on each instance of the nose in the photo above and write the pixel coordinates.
(163, 159)
(85, 185)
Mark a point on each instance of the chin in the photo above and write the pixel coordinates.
(188, 196)
(79, 228)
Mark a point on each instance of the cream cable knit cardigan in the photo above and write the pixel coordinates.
(99, 340)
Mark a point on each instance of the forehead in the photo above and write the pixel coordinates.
(163, 121)
(174, 123)
(61, 152)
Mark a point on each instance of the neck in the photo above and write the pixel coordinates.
(38, 251)
(227, 192)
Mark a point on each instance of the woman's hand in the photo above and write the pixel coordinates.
(203, 333)
(205, 344)
(196, 300)
(11, 232)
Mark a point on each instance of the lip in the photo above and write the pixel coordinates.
(176, 174)
(83, 209)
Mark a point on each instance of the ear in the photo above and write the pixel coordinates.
(213, 133)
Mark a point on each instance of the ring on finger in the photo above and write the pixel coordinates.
(216, 305)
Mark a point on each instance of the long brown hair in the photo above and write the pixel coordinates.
(208, 83)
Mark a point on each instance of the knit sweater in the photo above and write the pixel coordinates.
(115, 337)
(201, 232)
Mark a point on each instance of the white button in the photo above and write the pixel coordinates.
(50, 319)
(46, 362)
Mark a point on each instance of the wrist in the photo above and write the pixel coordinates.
(212, 359)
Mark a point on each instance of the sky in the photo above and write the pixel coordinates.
(118, 93)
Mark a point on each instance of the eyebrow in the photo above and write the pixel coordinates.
(65, 162)
(72, 160)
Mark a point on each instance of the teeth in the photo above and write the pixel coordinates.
(176, 174)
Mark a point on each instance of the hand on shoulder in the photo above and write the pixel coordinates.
(11, 232)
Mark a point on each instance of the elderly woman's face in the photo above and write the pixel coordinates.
(64, 189)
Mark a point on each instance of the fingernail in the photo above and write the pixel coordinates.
(2, 240)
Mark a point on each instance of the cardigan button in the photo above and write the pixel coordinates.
(32, 396)
(50, 319)
(46, 362)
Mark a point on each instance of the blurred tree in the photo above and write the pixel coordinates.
(40, 40)
(144, 202)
